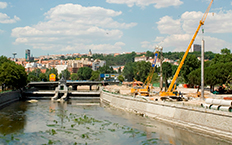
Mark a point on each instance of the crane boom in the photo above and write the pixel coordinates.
(202, 21)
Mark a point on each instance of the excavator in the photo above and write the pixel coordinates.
(144, 90)
(172, 93)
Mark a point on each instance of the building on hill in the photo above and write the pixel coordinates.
(97, 64)
(141, 58)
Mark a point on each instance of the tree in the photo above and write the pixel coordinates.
(34, 75)
(106, 69)
(141, 71)
(195, 77)
(43, 77)
(74, 76)
(224, 57)
(119, 70)
(128, 71)
(149, 54)
(191, 63)
(84, 73)
(4, 59)
(13, 75)
(225, 51)
(121, 78)
(95, 75)
(65, 73)
(167, 72)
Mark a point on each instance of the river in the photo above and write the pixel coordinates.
(77, 122)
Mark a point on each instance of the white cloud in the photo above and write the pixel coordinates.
(70, 26)
(167, 25)
(1, 31)
(180, 32)
(3, 5)
(143, 3)
(147, 45)
(97, 48)
(6, 19)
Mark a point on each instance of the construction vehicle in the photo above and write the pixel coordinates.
(144, 90)
(170, 93)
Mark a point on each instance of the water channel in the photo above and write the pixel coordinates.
(77, 122)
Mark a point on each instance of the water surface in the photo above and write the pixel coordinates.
(76, 122)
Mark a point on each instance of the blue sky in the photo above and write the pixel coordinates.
(109, 26)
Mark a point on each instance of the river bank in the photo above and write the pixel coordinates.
(188, 115)
(9, 97)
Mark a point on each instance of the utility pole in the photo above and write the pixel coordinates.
(202, 68)
(160, 48)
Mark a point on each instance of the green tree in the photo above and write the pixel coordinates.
(155, 78)
(191, 63)
(43, 77)
(128, 71)
(4, 59)
(119, 70)
(13, 75)
(74, 76)
(195, 77)
(106, 69)
(149, 54)
(167, 72)
(65, 73)
(84, 73)
(121, 78)
(224, 57)
(141, 71)
(225, 51)
(34, 75)
(95, 75)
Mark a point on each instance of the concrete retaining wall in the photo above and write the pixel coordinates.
(9, 97)
(204, 121)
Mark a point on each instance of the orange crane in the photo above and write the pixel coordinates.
(170, 92)
(145, 90)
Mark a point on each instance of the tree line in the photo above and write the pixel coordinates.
(217, 69)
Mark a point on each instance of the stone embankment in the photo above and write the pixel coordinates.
(9, 97)
(189, 115)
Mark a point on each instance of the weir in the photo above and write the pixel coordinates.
(63, 90)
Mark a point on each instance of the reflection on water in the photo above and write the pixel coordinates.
(13, 120)
(75, 122)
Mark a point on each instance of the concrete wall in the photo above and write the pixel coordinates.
(204, 121)
(9, 97)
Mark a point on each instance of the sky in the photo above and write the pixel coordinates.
(49, 27)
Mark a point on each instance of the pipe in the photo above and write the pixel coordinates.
(214, 107)
(205, 105)
(225, 108)
(218, 102)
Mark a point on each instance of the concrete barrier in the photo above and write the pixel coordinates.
(9, 97)
(205, 121)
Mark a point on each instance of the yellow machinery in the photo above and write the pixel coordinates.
(170, 92)
(144, 90)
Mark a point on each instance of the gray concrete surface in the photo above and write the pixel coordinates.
(204, 121)
(9, 97)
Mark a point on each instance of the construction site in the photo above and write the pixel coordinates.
(195, 96)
